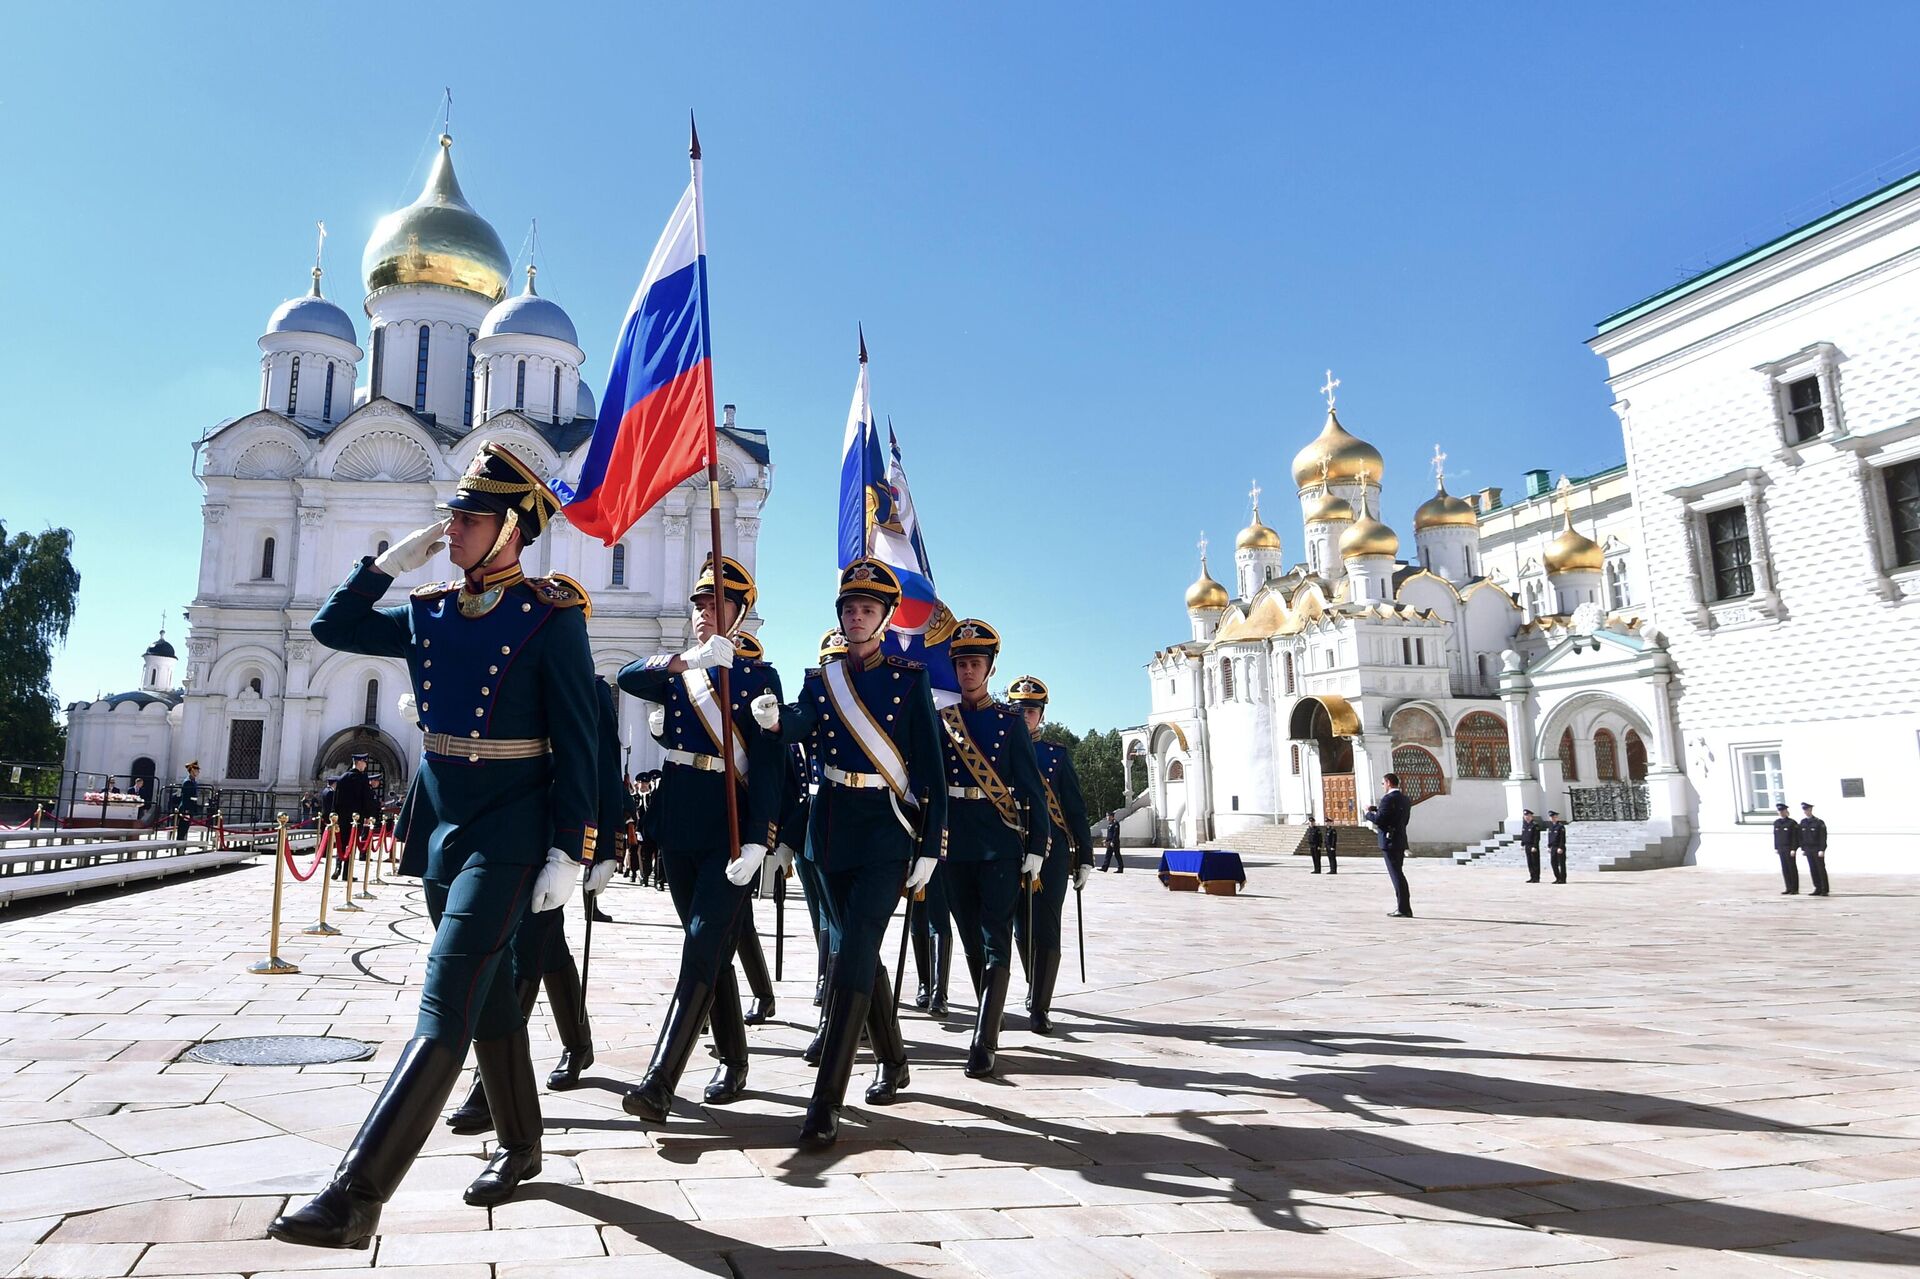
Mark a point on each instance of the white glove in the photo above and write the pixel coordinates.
(555, 885)
(413, 550)
(766, 711)
(742, 869)
(657, 721)
(783, 859)
(594, 878)
(1081, 874)
(708, 653)
(923, 868)
(1030, 865)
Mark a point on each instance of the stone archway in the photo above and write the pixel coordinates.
(1566, 750)
(1328, 725)
(384, 762)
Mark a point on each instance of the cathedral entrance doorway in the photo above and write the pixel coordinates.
(383, 760)
(1328, 725)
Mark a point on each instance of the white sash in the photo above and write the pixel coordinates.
(871, 738)
(706, 704)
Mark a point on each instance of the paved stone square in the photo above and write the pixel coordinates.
(1668, 1073)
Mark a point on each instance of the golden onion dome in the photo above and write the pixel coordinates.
(1330, 508)
(1336, 454)
(1572, 552)
(438, 239)
(1257, 536)
(1444, 510)
(1206, 594)
(1368, 536)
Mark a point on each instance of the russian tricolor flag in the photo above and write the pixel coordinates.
(656, 417)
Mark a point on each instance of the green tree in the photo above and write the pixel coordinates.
(1096, 761)
(38, 590)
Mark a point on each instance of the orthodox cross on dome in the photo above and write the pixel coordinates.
(1254, 493)
(1203, 550)
(1332, 384)
(1439, 468)
(446, 111)
(319, 251)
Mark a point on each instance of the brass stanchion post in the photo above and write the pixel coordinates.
(346, 888)
(367, 854)
(273, 964)
(380, 858)
(329, 840)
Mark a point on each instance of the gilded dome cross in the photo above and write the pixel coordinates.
(1332, 384)
(1439, 468)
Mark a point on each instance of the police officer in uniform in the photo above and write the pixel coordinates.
(708, 883)
(500, 815)
(1786, 842)
(1530, 843)
(1557, 846)
(354, 803)
(996, 828)
(1813, 842)
(880, 819)
(1330, 844)
(1069, 854)
(186, 800)
(1313, 842)
(540, 955)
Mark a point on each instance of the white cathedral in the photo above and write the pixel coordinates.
(1501, 666)
(330, 466)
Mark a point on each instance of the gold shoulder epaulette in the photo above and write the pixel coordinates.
(434, 590)
(562, 591)
(906, 663)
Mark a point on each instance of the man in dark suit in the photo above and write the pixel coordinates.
(1389, 817)
(1813, 842)
(1786, 841)
(1557, 845)
(353, 801)
(1530, 843)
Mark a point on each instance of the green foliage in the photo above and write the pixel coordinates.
(38, 590)
(1096, 759)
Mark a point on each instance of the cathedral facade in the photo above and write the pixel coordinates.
(1503, 664)
(349, 448)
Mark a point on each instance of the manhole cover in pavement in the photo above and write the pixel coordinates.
(280, 1050)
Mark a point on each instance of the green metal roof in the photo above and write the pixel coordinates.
(1891, 191)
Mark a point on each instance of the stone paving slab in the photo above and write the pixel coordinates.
(1667, 1073)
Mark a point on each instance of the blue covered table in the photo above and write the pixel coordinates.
(1212, 870)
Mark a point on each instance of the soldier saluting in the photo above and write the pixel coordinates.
(881, 814)
(708, 884)
(1069, 853)
(501, 813)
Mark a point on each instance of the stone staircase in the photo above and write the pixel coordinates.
(1591, 846)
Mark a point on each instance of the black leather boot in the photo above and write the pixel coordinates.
(846, 1016)
(568, 1004)
(942, 971)
(652, 1098)
(729, 1042)
(820, 969)
(986, 1030)
(819, 1041)
(889, 1047)
(753, 966)
(1040, 1011)
(506, 1064)
(923, 969)
(346, 1213)
(472, 1115)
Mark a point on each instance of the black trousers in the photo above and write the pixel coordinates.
(1557, 858)
(1533, 862)
(1114, 859)
(1817, 871)
(1396, 871)
(1789, 870)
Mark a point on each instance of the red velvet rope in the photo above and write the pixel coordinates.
(319, 852)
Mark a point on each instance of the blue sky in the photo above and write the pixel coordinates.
(1101, 261)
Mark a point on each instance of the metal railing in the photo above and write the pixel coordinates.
(1610, 802)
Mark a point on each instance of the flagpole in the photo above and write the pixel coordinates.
(713, 498)
(866, 526)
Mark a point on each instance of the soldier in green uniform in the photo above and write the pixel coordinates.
(877, 827)
(996, 832)
(707, 881)
(500, 815)
(1069, 856)
(540, 955)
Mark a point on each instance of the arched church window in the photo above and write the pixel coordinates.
(486, 387)
(379, 358)
(1636, 757)
(1420, 775)
(293, 388)
(1294, 755)
(1617, 595)
(420, 371)
(1483, 665)
(1606, 757)
(1226, 681)
(266, 560)
(520, 386)
(1569, 761)
(466, 413)
(1286, 667)
(326, 402)
(1480, 746)
(1313, 557)
(381, 548)
(555, 415)
(372, 715)
(1176, 771)
(255, 687)
(1414, 727)
(620, 565)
